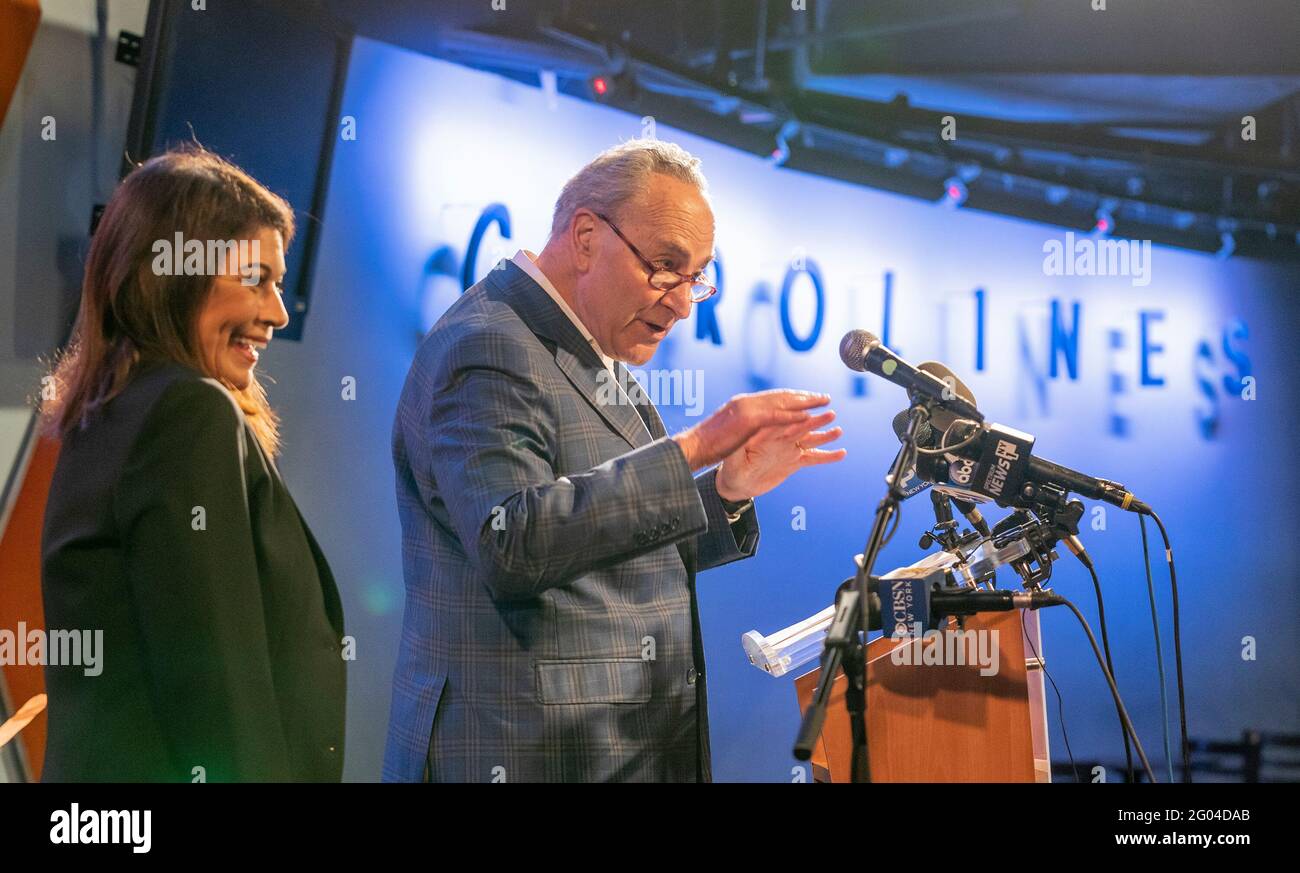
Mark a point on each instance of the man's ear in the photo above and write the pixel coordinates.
(583, 238)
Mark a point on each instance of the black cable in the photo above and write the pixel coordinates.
(1160, 652)
(1178, 650)
(898, 516)
(1060, 704)
(1105, 644)
(1114, 690)
(941, 449)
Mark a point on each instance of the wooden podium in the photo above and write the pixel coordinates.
(944, 723)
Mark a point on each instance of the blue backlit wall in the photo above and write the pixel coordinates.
(1135, 378)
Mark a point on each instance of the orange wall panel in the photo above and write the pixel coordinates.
(18, 20)
(20, 588)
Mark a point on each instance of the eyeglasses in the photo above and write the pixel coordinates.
(665, 280)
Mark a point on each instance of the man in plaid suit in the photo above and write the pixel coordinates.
(551, 529)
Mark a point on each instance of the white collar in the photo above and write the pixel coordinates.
(527, 261)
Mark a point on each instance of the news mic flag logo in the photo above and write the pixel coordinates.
(960, 471)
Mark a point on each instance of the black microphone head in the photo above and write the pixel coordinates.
(924, 432)
(855, 347)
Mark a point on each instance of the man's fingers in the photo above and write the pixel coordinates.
(802, 426)
(821, 456)
(779, 417)
(773, 410)
(797, 430)
(788, 399)
(820, 420)
(820, 438)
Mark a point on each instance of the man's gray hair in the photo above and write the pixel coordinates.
(617, 175)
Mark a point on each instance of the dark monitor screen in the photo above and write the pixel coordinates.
(258, 83)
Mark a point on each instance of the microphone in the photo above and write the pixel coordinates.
(973, 515)
(926, 436)
(863, 352)
(924, 430)
(899, 605)
(998, 464)
(940, 418)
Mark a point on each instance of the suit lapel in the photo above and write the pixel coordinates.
(602, 392)
(333, 602)
(641, 401)
(329, 588)
(573, 354)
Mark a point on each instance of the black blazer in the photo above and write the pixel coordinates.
(170, 530)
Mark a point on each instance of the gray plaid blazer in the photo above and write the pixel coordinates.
(550, 541)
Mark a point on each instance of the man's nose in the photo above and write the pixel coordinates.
(679, 300)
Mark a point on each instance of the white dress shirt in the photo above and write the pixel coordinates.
(527, 261)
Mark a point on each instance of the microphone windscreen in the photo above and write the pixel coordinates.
(942, 417)
(855, 347)
(924, 432)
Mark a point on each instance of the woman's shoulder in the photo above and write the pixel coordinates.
(166, 420)
(164, 389)
(178, 425)
(163, 401)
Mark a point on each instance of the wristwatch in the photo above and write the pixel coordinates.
(735, 510)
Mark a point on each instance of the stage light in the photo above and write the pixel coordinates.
(1227, 239)
(954, 193)
(781, 153)
(1227, 245)
(1105, 218)
(1056, 194)
(550, 85)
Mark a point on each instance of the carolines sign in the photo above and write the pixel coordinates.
(1219, 365)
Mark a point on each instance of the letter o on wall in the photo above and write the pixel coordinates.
(497, 214)
(792, 272)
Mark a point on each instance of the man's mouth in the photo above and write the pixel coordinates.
(656, 329)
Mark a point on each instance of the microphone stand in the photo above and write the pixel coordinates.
(846, 638)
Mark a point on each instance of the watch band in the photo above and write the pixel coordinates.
(735, 510)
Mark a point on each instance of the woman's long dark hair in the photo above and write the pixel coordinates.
(129, 314)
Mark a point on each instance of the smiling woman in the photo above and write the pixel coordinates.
(167, 525)
(133, 311)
